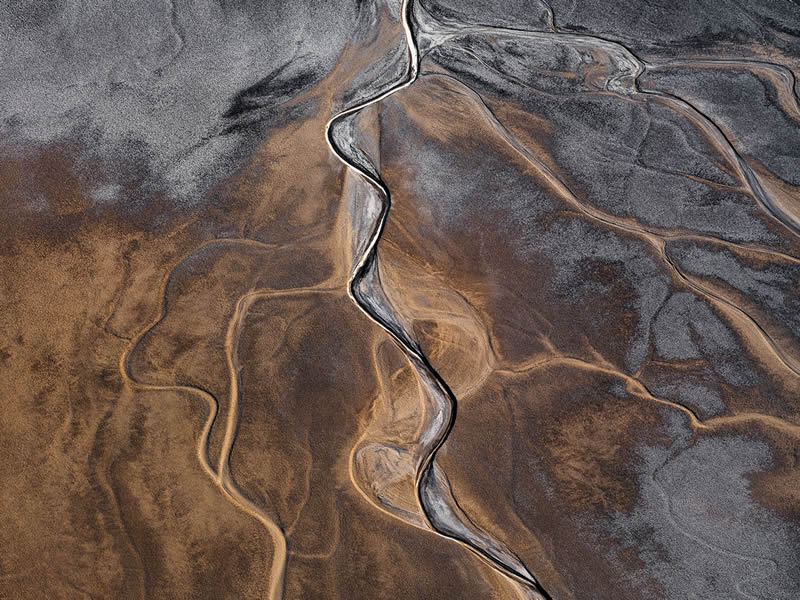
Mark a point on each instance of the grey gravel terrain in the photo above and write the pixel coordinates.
(400, 299)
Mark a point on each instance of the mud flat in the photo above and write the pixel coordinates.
(404, 299)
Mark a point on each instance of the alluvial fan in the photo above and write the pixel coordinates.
(400, 299)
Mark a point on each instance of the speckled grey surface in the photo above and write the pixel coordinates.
(171, 96)
(565, 363)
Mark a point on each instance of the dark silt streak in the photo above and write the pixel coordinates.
(370, 300)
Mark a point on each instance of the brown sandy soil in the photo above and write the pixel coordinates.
(567, 367)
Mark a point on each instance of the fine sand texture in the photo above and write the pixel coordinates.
(400, 299)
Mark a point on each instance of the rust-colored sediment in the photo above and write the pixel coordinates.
(445, 303)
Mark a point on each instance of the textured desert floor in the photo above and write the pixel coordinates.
(400, 299)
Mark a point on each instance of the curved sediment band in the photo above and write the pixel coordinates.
(437, 503)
